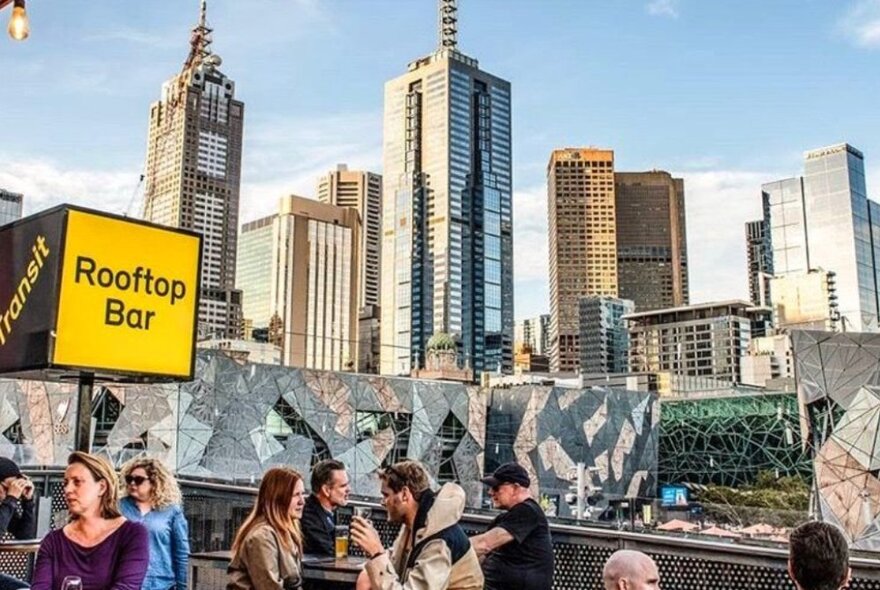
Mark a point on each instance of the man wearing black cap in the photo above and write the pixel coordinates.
(516, 551)
(16, 510)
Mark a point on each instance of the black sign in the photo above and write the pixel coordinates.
(30, 259)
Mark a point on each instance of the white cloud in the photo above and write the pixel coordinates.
(668, 8)
(861, 23)
(718, 203)
(286, 156)
(46, 183)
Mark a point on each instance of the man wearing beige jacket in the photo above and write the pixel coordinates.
(432, 551)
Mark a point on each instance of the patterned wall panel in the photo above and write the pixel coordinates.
(838, 379)
(729, 440)
(235, 420)
(549, 430)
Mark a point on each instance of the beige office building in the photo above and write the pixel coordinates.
(583, 246)
(652, 268)
(361, 191)
(805, 301)
(310, 251)
(193, 174)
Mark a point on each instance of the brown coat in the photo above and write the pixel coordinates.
(262, 563)
(433, 569)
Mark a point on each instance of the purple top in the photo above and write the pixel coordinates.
(119, 562)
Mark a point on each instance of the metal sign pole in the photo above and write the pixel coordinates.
(83, 432)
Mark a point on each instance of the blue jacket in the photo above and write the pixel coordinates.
(169, 544)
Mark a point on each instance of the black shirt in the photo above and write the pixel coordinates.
(526, 562)
(318, 529)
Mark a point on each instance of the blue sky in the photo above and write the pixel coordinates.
(727, 95)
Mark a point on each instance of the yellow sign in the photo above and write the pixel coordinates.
(128, 297)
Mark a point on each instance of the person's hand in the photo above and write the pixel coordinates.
(28, 493)
(17, 487)
(365, 536)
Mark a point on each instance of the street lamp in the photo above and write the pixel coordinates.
(19, 28)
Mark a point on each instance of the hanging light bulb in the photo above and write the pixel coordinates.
(19, 29)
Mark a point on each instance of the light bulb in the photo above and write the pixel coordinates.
(19, 28)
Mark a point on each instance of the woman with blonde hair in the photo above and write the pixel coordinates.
(152, 497)
(267, 550)
(99, 545)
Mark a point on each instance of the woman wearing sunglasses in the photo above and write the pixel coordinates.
(152, 497)
(98, 546)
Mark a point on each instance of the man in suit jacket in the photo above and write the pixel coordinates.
(329, 491)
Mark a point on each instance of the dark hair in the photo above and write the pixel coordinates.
(322, 473)
(818, 556)
(406, 474)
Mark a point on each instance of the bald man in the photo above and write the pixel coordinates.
(630, 570)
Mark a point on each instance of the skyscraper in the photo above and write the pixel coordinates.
(11, 205)
(824, 220)
(253, 272)
(361, 191)
(299, 274)
(759, 253)
(447, 250)
(193, 174)
(583, 245)
(652, 261)
(604, 337)
(534, 334)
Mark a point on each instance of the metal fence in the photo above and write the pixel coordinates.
(215, 511)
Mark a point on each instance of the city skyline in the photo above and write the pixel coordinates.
(720, 114)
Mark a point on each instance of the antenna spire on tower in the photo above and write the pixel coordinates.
(448, 24)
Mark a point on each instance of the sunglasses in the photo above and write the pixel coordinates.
(135, 479)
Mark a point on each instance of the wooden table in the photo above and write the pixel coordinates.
(207, 571)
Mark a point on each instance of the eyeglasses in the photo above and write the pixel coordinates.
(135, 479)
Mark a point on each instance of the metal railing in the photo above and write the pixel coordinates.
(215, 510)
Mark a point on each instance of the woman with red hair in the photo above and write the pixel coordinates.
(267, 550)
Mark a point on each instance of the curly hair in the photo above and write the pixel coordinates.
(165, 491)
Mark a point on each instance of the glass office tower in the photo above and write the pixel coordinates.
(447, 250)
(824, 221)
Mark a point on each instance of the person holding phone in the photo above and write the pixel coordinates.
(17, 516)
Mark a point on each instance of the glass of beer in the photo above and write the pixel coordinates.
(341, 541)
(364, 512)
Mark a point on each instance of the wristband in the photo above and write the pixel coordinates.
(375, 555)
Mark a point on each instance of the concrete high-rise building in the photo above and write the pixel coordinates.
(583, 245)
(534, 334)
(759, 254)
(447, 251)
(824, 220)
(11, 206)
(652, 261)
(703, 340)
(305, 287)
(193, 174)
(604, 337)
(805, 301)
(361, 191)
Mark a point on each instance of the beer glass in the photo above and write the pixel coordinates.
(341, 541)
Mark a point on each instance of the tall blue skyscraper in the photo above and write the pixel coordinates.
(824, 221)
(447, 250)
